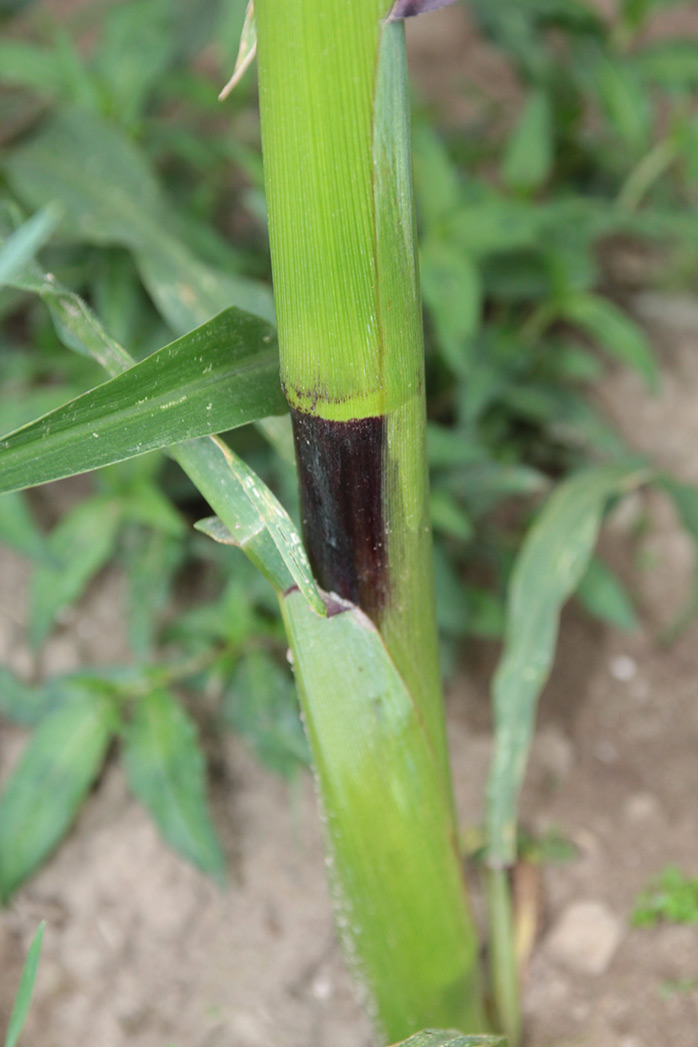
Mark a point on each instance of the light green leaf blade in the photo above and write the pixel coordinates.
(146, 504)
(18, 528)
(165, 769)
(26, 988)
(251, 517)
(103, 181)
(614, 331)
(187, 292)
(685, 498)
(671, 63)
(453, 294)
(441, 1038)
(80, 545)
(436, 176)
(219, 376)
(552, 560)
(43, 795)
(528, 157)
(135, 48)
(260, 705)
(109, 195)
(602, 594)
(18, 248)
(152, 559)
(76, 325)
(625, 99)
(23, 703)
(413, 955)
(23, 64)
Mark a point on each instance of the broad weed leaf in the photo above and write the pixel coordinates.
(166, 771)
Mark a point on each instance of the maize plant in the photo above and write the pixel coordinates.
(356, 592)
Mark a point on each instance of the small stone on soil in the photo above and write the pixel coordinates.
(623, 668)
(584, 938)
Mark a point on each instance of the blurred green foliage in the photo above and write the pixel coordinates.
(671, 898)
(109, 117)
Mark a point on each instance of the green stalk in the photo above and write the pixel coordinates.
(503, 962)
(335, 132)
(335, 126)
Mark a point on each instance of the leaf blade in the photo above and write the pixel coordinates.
(18, 248)
(23, 998)
(221, 375)
(615, 331)
(165, 770)
(43, 795)
(441, 1038)
(110, 195)
(552, 560)
(80, 545)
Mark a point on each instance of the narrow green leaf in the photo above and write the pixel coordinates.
(187, 292)
(252, 519)
(685, 498)
(21, 702)
(146, 504)
(528, 157)
(152, 559)
(18, 528)
(614, 331)
(453, 294)
(18, 248)
(552, 560)
(439, 1038)
(75, 323)
(26, 988)
(624, 97)
(136, 45)
(602, 594)
(23, 64)
(219, 376)
(670, 63)
(260, 704)
(436, 176)
(495, 224)
(249, 534)
(43, 795)
(448, 517)
(102, 179)
(165, 769)
(637, 12)
(80, 545)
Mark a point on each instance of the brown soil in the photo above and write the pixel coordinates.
(142, 950)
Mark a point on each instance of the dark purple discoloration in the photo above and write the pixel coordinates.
(409, 8)
(341, 478)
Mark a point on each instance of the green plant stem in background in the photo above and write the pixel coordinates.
(502, 953)
(335, 131)
(25, 989)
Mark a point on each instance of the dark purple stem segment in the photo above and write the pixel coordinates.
(341, 480)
